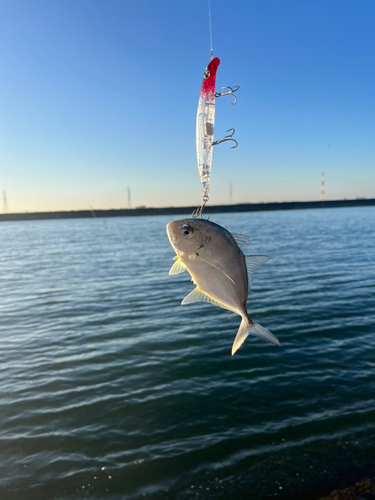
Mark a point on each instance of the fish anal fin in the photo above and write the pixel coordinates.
(252, 264)
(197, 295)
(177, 268)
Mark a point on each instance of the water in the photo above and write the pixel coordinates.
(109, 389)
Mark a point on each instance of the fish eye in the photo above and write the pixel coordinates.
(187, 230)
(206, 74)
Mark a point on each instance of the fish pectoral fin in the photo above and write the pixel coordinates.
(241, 239)
(252, 263)
(255, 329)
(197, 295)
(177, 268)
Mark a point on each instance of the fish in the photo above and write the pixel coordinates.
(218, 267)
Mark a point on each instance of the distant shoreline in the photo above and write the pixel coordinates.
(213, 209)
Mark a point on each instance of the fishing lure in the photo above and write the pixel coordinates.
(205, 126)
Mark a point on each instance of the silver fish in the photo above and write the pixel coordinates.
(219, 269)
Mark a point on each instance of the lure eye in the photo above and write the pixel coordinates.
(187, 231)
(206, 75)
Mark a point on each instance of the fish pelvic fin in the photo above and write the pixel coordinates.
(178, 267)
(248, 327)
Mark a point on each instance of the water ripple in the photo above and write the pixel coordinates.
(110, 389)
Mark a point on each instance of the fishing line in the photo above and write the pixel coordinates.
(209, 19)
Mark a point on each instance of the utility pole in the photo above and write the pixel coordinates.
(5, 203)
(129, 198)
(322, 195)
(230, 194)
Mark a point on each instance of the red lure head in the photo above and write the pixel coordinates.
(209, 77)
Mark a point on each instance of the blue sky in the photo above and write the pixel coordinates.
(96, 96)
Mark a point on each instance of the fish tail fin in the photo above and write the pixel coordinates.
(258, 330)
(242, 333)
(247, 327)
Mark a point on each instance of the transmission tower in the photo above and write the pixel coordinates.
(322, 195)
(230, 194)
(129, 198)
(5, 203)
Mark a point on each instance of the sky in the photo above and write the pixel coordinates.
(98, 96)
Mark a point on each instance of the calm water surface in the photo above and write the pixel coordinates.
(109, 389)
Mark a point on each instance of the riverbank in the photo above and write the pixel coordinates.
(214, 209)
(362, 490)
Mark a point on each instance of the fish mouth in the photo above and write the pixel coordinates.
(172, 236)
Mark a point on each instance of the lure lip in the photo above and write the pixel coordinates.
(208, 84)
(213, 65)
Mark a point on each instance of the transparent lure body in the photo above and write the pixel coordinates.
(205, 126)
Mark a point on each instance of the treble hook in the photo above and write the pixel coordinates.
(231, 92)
(197, 212)
(227, 138)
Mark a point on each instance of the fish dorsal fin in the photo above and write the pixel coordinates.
(252, 263)
(241, 239)
(177, 268)
(197, 295)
